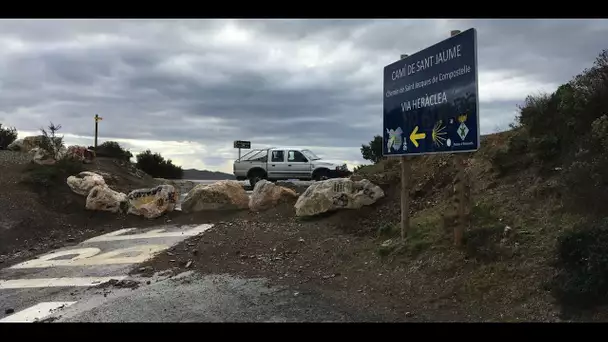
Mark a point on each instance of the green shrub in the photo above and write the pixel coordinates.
(373, 150)
(515, 155)
(50, 142)
(7, 136)
(156, 166)
(599, 133)
(581, 281)
(585, 183)
(112, 149)
(559, 124)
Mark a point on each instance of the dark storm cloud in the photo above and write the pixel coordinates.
(295, 82)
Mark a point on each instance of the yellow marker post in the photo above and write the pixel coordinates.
(97, 119)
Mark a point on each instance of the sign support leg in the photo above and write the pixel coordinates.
(239, 153)
(405, 191)
(460, 192)
(405, 197)
(459, 162)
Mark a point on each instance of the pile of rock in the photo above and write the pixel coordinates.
(320, 197)
(33, 146)
(149, 203)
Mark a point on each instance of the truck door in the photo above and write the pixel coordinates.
(277, 165)
(298, 165)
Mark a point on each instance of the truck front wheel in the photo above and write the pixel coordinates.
(321, 175)
(255, 177)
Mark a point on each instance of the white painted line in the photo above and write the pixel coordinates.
(36, 312)
(89, 256)
(55, 282)
(156, 233)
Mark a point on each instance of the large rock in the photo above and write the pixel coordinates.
(16, 145)
(41, 157)
(103, 198)
(266, 195)
(83, 182)
(29, 143)
(153, 202)
(182, 186)
(80, 153)
(339, 193)
(223, 195)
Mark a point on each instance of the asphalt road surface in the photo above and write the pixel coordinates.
(89, 282)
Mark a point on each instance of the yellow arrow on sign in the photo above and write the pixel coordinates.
(416, 136)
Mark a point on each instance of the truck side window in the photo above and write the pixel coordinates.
(278, 156)
(296, 157)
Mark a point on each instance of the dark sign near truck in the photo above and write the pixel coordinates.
(242, 144)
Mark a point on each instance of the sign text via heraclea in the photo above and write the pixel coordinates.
(431, 102)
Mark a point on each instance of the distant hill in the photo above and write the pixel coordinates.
(206, 175)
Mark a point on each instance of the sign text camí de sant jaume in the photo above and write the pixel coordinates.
(431, 102)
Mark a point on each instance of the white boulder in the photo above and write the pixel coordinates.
(153, 202)
(266, 195)
(41, 157)
(222, 195)
(103, 198)
(16, 145)
(338, 193)
(80, 153)
(83, 182)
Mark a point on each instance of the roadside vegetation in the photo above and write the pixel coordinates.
(373, 150)
(7, 136)
(156, 166)
(112, 149)
(45, 177)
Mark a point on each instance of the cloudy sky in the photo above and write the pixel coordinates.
(188, 88)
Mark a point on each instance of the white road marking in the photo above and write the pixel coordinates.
(88, 257)
(156, 233)
(55, 282)
(36, 312)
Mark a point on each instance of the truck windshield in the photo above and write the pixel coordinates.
(260, 155)
(248, 154)
(310, 155)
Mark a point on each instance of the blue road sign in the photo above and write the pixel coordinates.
(431, 102)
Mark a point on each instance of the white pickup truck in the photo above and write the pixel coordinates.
(282, 163)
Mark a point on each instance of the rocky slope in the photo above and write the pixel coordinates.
(40, 212)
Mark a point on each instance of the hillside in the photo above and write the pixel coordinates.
(40, 212)
(194, 174)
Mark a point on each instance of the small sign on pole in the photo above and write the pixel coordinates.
(241, 144)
